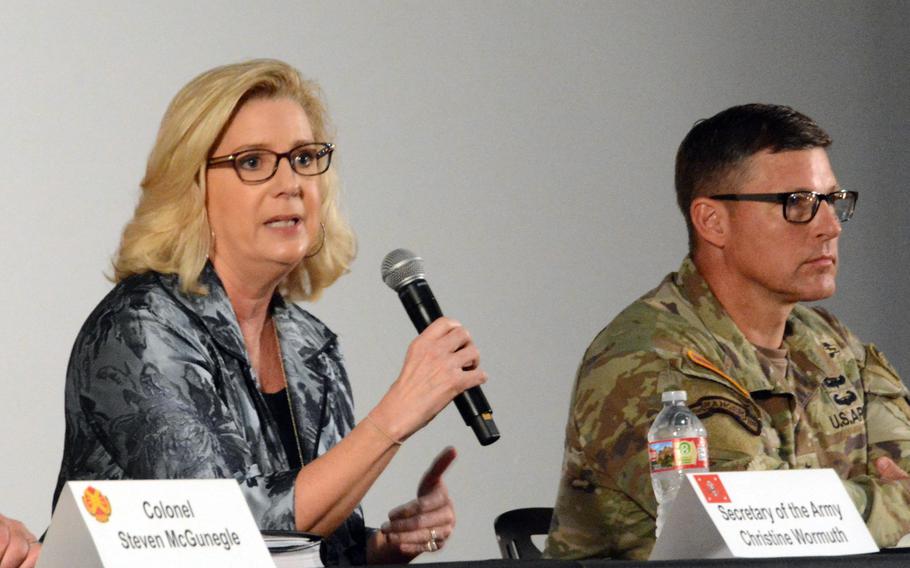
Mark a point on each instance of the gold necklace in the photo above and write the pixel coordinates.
(287, 390)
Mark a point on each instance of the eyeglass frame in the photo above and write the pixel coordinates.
(328, 148)
(783, 197)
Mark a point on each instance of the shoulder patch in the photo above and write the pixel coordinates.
(745, 415)
(701, 361)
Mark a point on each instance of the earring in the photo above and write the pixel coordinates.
(321, 243)
(208, 254)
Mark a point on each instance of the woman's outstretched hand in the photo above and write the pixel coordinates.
(423, 524)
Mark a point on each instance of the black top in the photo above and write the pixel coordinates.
(281, 412)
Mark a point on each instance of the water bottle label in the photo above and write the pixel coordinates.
(678, 453)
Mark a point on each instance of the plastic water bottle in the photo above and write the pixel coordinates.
(677, 445)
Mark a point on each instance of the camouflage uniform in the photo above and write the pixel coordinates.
(838, 405)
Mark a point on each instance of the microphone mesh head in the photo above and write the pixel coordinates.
(400, 267)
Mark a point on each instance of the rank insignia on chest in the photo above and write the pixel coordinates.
(830, 349)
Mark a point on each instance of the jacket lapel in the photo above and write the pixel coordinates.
(214, 310)
(302, 338)
(304, 341)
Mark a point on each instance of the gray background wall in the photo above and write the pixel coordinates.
(525, 149)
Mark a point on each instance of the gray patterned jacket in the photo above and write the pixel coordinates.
(159, 386)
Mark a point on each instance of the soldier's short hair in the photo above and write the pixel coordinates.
(712, 153)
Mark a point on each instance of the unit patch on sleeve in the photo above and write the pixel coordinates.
(744, 415)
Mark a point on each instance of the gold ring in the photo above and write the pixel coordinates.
(433, 536)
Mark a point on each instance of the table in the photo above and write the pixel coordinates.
(885, 559)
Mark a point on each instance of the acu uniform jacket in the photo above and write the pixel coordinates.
(836, 403)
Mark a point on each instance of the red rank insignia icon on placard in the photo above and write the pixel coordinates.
(712, 488)
(97, 504)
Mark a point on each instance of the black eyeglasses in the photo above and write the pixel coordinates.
(801, 206)
(259, 165)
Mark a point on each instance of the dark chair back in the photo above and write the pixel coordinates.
(514, 529)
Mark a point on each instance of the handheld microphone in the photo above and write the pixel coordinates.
(402, 271)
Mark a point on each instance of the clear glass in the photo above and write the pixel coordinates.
(259, 165)
(801, 206)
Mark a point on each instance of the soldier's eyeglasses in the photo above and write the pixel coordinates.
(801, 206)
(259, 165)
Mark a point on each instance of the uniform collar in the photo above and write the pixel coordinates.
(812, 351)
(740, 357)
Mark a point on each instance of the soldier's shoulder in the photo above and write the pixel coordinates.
(660, 323)
(629, 360)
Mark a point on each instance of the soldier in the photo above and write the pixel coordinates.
(778, 385)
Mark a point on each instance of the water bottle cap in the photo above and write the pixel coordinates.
(673, 396)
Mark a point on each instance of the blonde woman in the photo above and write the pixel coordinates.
(197, 364)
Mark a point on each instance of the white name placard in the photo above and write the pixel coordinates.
(139, 524)
(755, 514)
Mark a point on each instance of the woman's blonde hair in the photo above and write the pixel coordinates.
(169, 231)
